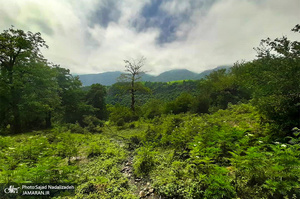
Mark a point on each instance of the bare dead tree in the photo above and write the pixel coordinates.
(134, 72)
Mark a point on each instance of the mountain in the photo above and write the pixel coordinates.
(207, 72)
(174, 75)
(109, 78)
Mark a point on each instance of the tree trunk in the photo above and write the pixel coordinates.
(132, 93)
(48, 120)
(132, 100)
(16, 123)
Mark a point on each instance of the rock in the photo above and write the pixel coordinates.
(138, 179)
(125, 169)
(145, 189)
(148, 184)
(151, 190)
(142, 194)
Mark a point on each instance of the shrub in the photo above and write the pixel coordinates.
(93, 150)
(120, 115)
(181, 104)
(144, 161)
(75, 128)
(92, 124)
(152, 108)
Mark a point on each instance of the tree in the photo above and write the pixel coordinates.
(73, 105)
(181, 104)
(153, 108)
(95, 98)
(23, 71)
(273, 79)
(133, 74)
(217, 90)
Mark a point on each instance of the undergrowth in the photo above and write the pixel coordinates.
(228, 154)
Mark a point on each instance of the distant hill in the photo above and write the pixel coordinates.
(207, 72)
(174, 75)
(109, 78)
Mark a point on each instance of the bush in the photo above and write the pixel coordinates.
(119, 115)
(144, 161)
(92, 124)
(181, 104)
(76, 128)
(152, 108)
(93, 150)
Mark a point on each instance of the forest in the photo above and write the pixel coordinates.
(233, 134)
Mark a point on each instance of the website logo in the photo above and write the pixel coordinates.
(11, 189)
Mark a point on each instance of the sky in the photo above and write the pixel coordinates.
(94, 36)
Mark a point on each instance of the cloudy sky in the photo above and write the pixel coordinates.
(93, 36)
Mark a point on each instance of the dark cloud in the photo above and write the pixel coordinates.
(106, 13)
(151, 10)
(155, 17)
(168, 22)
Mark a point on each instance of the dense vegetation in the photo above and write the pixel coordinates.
(233, 134)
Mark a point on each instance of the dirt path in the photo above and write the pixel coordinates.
(144, 188)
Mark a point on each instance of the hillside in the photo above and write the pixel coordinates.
(159, 90)
(109, 78)
(174, 75)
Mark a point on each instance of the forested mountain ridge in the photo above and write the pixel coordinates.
(164, 91)
(109, 78)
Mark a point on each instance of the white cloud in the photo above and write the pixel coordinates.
(222, 33)
(176, 7)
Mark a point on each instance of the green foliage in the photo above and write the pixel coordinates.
(267, 170)
(217, 90)
(73, 106)
(92, 124)
(33, 160)
(93, 150)
(101, 176)
(144, 161)
(224, 155)
(153, 108)
(61, 157)
(95, 97)
(181, 104)
(162, 91)
(75, 128)
(121, 114)
(274, 80)
(200, 104)
(27, 90)
(68, 145)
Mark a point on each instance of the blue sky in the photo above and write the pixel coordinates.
(93, 36)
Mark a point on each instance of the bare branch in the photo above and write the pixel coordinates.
(134, 72)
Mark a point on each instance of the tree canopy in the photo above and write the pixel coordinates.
(28, 92)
